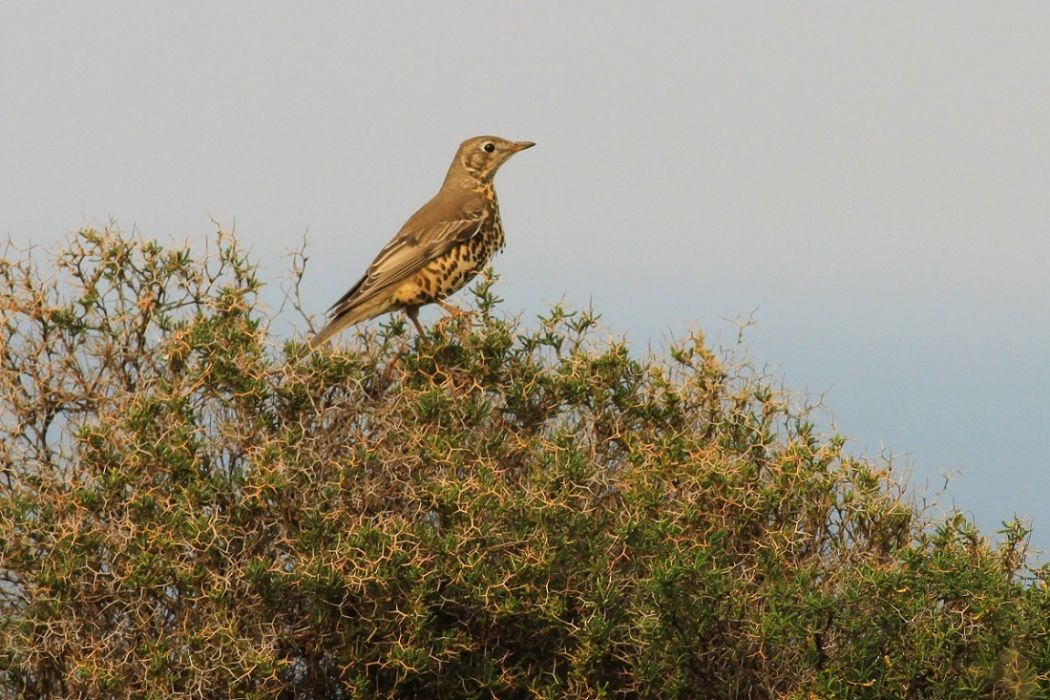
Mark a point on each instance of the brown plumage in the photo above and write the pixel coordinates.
(440, 248)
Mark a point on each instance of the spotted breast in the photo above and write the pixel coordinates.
(449, 273)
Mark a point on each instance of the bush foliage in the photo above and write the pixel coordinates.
(191, 508)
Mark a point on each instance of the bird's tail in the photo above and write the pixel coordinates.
(347, 317)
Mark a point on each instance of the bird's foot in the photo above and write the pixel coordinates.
(452, 309)
(454, 312)
(388, 371)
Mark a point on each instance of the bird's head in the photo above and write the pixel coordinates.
(480, 157)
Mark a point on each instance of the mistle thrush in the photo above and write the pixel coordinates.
(440, 248)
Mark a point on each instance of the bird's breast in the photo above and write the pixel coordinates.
(448, 273)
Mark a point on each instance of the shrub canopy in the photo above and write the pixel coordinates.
(190, 507)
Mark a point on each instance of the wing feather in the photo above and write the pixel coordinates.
(409, 251)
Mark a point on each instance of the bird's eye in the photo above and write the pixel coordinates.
(489, 147)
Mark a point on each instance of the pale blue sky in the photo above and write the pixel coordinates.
(873, 178)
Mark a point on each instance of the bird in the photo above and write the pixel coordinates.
(439, 249)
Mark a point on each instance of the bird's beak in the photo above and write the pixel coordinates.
(521, 146)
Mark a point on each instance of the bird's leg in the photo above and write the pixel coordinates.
(389, 369)
(413, 315)
(452, 309)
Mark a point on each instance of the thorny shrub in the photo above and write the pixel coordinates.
(190, 507)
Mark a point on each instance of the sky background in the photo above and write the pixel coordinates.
(871, 181)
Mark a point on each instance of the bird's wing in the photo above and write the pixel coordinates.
(409, 251)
